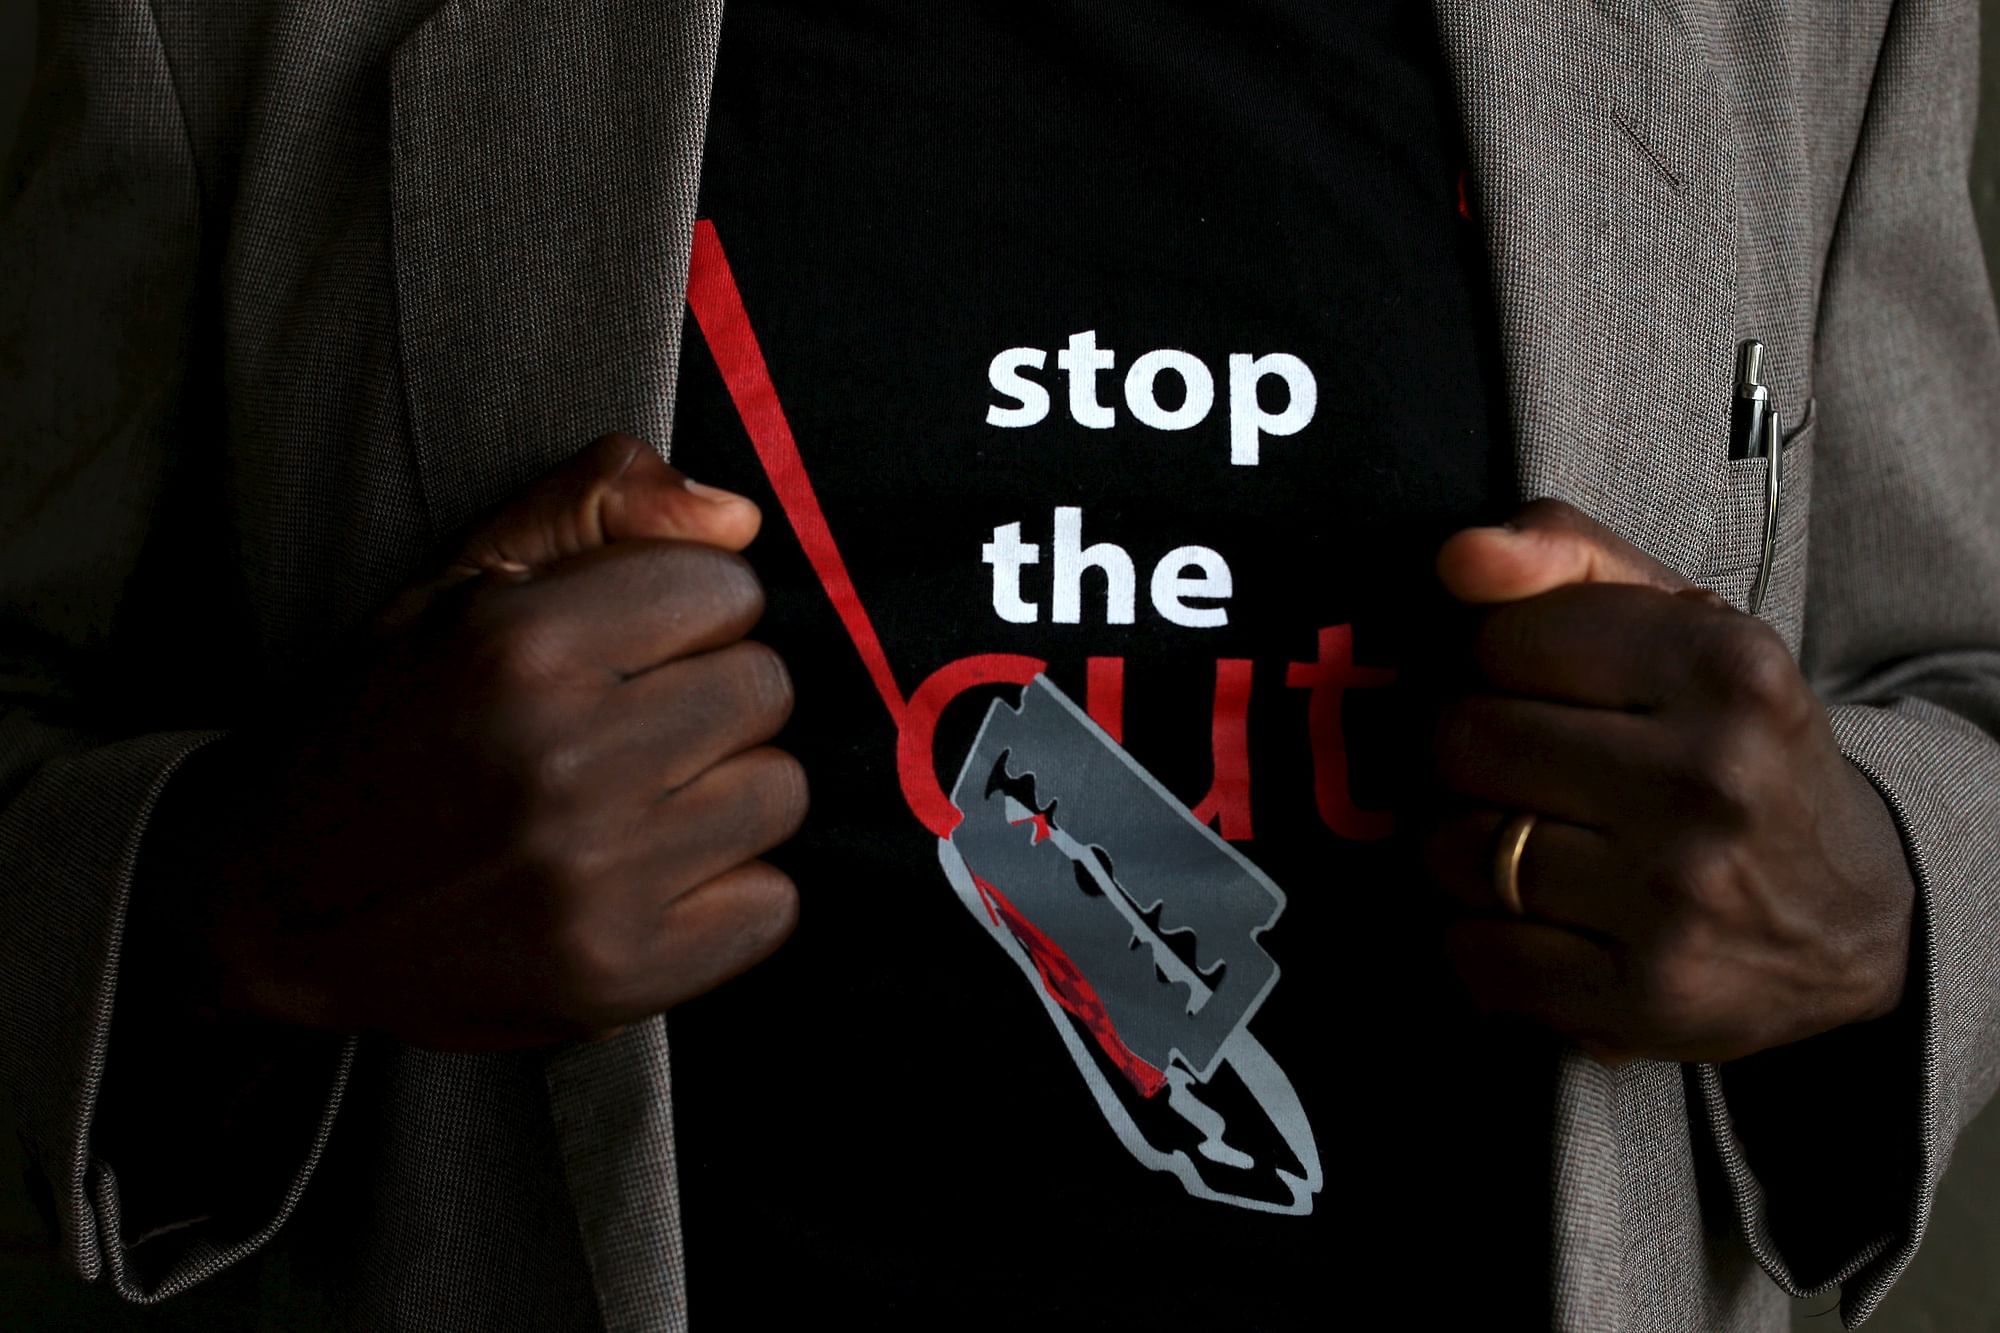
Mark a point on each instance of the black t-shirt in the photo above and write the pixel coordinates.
(1108, 375)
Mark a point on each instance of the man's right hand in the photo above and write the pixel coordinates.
(529, 811)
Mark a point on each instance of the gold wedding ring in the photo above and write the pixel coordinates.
(1507, 860)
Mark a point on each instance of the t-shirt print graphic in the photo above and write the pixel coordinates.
(1135, 924)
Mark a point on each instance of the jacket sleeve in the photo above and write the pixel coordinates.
(1833, 1148)
(100, 254)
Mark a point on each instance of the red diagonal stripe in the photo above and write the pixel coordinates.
(718, 309)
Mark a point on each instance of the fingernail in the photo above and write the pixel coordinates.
(712, 494)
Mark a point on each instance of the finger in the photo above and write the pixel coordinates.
(737, 810)
(692, 943)
(1567, 876)
(616, 489)
(1529, 969)
(665, 727)
(1588, 766)
(1547, 545)
(1599, 646)
(652, 950)
(610, 614)
(718, 931)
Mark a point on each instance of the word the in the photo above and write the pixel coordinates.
(1182, 573)
(1082, 360)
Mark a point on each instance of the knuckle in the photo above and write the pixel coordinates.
(1697, 887)
(561, 866)
(1714, 782)
(1671, 985)
(553, 773)
(1767, 681)
(1748, 666)
(1727, 774)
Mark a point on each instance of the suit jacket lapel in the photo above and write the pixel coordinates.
(1603, 165)
(546, 160)
(1602, 157)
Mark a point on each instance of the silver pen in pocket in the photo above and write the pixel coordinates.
(1753, 433)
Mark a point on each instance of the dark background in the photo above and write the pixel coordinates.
(1953, 1287)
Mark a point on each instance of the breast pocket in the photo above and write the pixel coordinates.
(1738, 547)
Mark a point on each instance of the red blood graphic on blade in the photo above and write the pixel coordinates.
(1072, 991)
(1041, 824)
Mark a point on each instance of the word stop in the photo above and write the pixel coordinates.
(1082, 361)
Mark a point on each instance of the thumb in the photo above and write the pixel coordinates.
(1546, 545)
(616, 489)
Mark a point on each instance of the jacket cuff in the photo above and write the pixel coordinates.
(69, 850)
(1833, 1147)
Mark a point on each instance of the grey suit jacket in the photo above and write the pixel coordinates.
(291, 289)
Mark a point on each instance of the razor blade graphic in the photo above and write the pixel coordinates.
(1139, 928)
(1135, 924)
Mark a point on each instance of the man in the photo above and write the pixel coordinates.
(1094, 363)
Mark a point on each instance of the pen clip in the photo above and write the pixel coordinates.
(1750, 405)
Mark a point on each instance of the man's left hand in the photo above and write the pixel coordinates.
(1708, 876)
